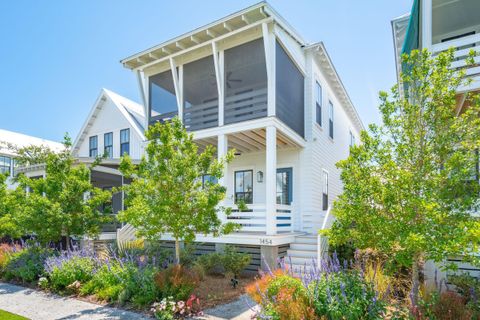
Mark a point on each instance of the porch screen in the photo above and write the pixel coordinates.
(289, 91)
(200, 94)
(162, 98)
(245, 82)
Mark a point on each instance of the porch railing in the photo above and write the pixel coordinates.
(462, 48)
(201, 116)
(254, 219)
(246, 105)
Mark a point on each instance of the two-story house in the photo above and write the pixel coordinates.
(114, 127)
(438, 25)
(250, 82)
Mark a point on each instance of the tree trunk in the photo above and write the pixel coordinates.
(177, 251)
(417, 269)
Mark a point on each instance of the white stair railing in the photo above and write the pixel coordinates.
(322, 244)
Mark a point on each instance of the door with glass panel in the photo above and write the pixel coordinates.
(284, 186)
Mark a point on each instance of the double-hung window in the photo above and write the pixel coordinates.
(325, 191)
(108, 144)
(124, 142)
(93, 147)
(5, 165)
(318, 103)
(244, 186)
(330, 119)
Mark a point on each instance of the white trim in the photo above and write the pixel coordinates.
(269, 47)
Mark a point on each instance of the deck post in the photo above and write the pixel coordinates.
(222, 149)
(270, 180)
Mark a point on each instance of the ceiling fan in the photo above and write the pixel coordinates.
(228, 79)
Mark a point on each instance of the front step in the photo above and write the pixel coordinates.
(302, 254)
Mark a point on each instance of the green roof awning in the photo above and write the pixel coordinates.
(412, 38)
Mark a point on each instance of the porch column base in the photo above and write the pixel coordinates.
(269, 257)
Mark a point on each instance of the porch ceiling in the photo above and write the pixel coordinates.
(249, 141)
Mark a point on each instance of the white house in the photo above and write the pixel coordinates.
(114, 127)
(9, 141)
(250, 82)
(438, 25)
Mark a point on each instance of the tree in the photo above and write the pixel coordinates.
(167, 195)
(8, 227)
(61, 203)
(412, 184)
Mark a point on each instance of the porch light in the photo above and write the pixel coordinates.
(259, 176)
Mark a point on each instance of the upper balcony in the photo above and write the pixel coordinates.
(247, 66)
(439, 25)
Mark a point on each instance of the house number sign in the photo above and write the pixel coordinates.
(265, 241)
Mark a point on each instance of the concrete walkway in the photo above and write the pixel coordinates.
(38, 305)
(241, 309)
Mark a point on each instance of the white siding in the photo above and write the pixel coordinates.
(110, 119)
(322, 152)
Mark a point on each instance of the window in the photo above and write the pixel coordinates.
(5, 165)
(124, 142)
(284, 186)
(325, 191)
(244, 186)
(206, 178)
(318, 103)
(352, 139)
(93, 147)
(330, 119)
(108, 144)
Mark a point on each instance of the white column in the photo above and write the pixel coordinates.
(269, 44)
(270, 180)
(218, 58)
(178, 87)
(426, 24)
(222, 150)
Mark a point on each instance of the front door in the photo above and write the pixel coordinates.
(284, 186)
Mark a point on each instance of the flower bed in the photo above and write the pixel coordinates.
(134, 277)
(355, 291)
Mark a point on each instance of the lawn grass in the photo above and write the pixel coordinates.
(4, 315)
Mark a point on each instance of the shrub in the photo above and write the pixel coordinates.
(106, 283)
(26, 265)
(6, 251)
(345, 294)
(234, 262)
(468, 287)
(257, 289)
(210, 263)
(444, 306)
(69, 267)
(177, 282)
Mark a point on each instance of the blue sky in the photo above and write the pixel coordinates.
(56, 55)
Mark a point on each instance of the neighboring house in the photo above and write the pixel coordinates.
(250, 82)
(9, 141)
(114, 127)
(438, 25)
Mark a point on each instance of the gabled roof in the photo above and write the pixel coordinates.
(21, 140)
(132, 111)
(202, 36)
(322, 57)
